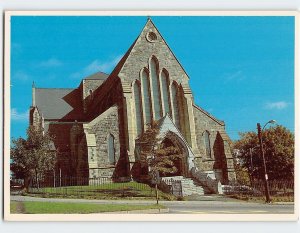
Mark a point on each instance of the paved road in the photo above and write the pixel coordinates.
(215, 204)
(228, 208)
(204, 205)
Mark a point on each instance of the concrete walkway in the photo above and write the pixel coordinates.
(205, 205)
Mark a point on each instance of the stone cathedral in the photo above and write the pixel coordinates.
(96, 125)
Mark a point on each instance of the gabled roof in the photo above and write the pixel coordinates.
(122, 62)
(97, 76)
(58, 103)
(62, 103)
(209, 115)
(150, 21)
(166, 124)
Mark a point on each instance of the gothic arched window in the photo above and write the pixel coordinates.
(138, 108)
(91, 94)
(174, 90)
(155, 89)
(146, 97)
(207, 144)
(111, 149)
(165, 91)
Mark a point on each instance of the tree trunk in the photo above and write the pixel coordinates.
(27, 180)
(37, 179)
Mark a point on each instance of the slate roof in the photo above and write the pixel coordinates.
(51, 102)
(62, 103)
(98, 75)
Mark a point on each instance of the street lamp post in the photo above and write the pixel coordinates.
(259, 131)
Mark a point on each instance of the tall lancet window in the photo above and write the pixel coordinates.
(138, 108)
(207, 144)
(174, 90)
(155, 89)
(146, 97)
(165, 91)
(111, 150)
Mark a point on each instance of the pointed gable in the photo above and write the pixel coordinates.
(167, 126)
(149, 43)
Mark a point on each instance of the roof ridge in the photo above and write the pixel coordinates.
(51, 88)
(150, 20)
(209, 115)
(94, 74)
(122, 61)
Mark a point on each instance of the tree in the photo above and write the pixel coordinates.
(157, 154)
(278, 144)
(32, 157)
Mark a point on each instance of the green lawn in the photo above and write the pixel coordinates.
(75, 208)
(130, 190)
(13, 207)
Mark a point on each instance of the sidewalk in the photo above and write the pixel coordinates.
(205, 200)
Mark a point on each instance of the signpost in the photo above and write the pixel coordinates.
(155, 180)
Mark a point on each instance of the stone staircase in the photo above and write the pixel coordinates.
(189, 186)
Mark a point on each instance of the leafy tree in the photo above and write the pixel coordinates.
(278, 144)
(242, 174)
(157, 154)
(32, 157)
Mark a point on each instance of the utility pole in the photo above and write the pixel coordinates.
(59, 177)
(265, 177)
(156, 193)
(54, 180)
(252, 168)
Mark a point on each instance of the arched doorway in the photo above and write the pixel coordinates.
(172, 140)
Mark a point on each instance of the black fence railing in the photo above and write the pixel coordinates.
(56, 181)
(98, 188)
(257, 188)
(175, 187)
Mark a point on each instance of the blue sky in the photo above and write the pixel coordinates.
(241, 69)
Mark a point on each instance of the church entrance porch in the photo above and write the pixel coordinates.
(179, 163)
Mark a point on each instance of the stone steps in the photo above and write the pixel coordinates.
(189, 187)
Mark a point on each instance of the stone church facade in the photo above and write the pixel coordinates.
(96, 125)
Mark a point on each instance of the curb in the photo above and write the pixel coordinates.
(283, 203)
(150, 211)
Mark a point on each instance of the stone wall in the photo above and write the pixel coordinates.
(35, 117)
(138, 58)
(204, 122)
(221, 161)
(101, 127)
(88, 88)
(142, 52)
(61, 134)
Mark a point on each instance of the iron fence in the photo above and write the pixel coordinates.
(175, 187)
(96, 188)
(102, 187)
(257, 188)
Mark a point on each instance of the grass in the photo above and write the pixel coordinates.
(13, 207)
(109, 191)
(31, 207)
